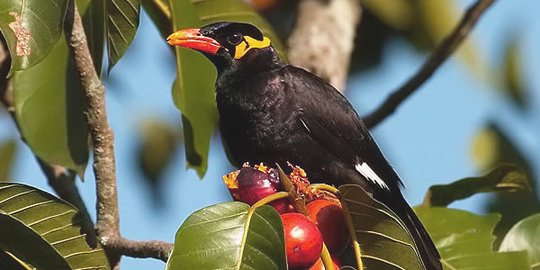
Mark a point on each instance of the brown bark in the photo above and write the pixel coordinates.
(323, 38)
(108, 220)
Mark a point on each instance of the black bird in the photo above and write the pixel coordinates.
(276, 113)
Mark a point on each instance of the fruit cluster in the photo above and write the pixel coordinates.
(321, 218)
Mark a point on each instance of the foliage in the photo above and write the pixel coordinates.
(122, 18)
(193, 89)
(44, 231)
(503, 178)
(49, 107)
(465, 240)
(31, 29)
(230, 236)
(493, 145)
(48, 102)
(524, 236)
(384, 241)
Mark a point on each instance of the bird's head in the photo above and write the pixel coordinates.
(226, 43)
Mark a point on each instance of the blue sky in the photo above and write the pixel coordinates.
(428, 140)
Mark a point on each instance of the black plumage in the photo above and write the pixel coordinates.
(276, 113)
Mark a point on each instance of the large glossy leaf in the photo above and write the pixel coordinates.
(230, 236)
(193, 89)
(7, 158)
(465, 240)
(44, 231)
(94, 26)
(384, 240)
(505, 177)
(122, 22)
(525, 235)
(49, 106)
(31, 29)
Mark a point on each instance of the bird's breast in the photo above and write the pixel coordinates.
(257, 127)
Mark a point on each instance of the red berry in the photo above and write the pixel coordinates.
(330, 220)
(303, 241)
(320, 266)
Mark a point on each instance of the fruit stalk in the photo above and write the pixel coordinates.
(268, 199)
(298, 202)
(326, 258)
(348, 219)
(352, 232)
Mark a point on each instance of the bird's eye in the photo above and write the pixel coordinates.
(235, 39)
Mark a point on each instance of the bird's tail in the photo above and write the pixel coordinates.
(428, 252)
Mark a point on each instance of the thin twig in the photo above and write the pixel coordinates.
(107, 225)
(437, 57)
(141, 249)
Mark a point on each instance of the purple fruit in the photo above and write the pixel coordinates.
(254, 184)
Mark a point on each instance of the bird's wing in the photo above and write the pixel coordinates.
(331, 120)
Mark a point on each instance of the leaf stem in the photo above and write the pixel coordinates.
(325, 187)
(268, 199)
(352, 232)
(326, 258)
(297, 200)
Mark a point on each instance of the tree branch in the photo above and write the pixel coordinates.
(328, 29)
(108, 220)
(435, 60)
(62, 182)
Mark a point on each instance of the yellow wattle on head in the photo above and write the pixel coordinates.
(250, 43)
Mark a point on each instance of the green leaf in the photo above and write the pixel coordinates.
(193, 90)
(494, 145)
(8, 151)
(505, 177)
(93, 14)
(384, 240)
(122, 22)
(44, 231)
(396, 13)
(524, 236)
(513, 80)
(465, 240)
(31, 29)
(230, 235)
(158, 146)
(49, 104)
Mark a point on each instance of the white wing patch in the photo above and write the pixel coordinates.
(369, 174)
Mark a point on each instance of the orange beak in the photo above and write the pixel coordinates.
(192, 38)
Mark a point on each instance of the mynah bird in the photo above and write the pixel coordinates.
(276, 113)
